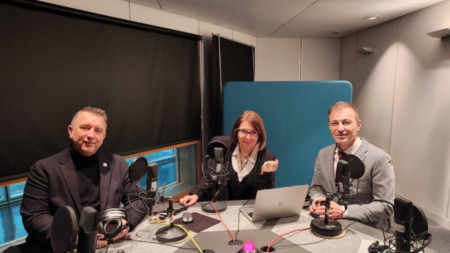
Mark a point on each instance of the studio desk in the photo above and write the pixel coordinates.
(357, 237)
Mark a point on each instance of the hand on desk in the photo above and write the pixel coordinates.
(189, 200)
(269, 166)
(335, 212)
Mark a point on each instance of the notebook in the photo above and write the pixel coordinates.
(276, 203)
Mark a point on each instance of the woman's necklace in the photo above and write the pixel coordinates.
(245, 158)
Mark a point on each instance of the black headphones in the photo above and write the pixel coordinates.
(110, 222)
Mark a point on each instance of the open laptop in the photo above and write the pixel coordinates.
(276, 203)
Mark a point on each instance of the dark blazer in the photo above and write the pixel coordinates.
(233, 189)
(52, 183)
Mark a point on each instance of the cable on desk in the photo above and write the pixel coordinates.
(278, 237)
(185, 230)
(218, 214)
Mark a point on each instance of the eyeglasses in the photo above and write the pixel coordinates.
(243, 133)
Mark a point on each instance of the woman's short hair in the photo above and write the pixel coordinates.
(256, 121)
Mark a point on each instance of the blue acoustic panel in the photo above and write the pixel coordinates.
(295, 115)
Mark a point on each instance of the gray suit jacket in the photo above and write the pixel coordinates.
(52, 183)
(373, 200)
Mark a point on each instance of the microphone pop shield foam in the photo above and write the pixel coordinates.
(64, 230)
(356, 166)
(137, 169)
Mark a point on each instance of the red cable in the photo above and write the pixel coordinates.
(278, 237)
(218, 214)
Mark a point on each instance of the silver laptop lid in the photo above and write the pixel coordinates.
(278, 203)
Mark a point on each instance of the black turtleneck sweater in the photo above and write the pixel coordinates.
(88, 178)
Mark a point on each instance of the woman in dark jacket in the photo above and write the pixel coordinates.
(251, 166)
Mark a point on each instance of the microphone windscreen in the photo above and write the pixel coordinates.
(356, 166)
(403, 210)
(137, 169)
(64, 230)
(89, 219)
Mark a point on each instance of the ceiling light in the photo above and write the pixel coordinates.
(372, 18)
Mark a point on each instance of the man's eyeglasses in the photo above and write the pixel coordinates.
(243, 133)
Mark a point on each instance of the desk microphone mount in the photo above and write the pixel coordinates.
(170, 233)
(213, 205)
(216, 173)
(324, 226)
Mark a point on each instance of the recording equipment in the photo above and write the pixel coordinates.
(343, 174)
(171, 233)
(410, 230)
(63, 235)
(216, 171)
(87, 230)
(349, 167)
(110, 222)
(138, 168)
(325, 226)
(152, 185)
(402, 224)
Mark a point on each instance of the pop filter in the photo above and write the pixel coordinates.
(137, 169)
(64, 230)
(420, 223)
(355, 164)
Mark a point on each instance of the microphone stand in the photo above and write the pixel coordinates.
(170, 233)
(219, 206)
(325, 226)
(217, 177)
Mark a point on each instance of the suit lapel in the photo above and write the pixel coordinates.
(362, 151)
(105, 178)
(70, 177)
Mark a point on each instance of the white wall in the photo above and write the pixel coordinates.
(298, 59)
(403, 91)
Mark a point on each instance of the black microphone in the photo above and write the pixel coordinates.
(218, 154)
(343, 171)
(152, 184)
(218, 160)
(348, 167)
(216, 172)
(87, 230)
(403, 211)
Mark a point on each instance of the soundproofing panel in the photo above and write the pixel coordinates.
(295, 115)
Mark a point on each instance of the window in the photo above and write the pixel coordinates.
(176, 168)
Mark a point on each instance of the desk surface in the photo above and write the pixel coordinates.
(356, 236)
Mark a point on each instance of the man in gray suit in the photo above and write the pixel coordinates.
(81, 175)
(373, 194)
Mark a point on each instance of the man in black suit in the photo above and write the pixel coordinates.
(79, 176)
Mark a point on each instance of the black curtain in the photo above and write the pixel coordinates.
(231, 61)
(55, 60)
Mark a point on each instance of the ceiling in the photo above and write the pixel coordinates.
(291, 18)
